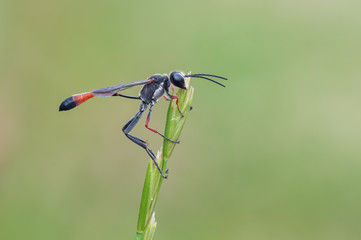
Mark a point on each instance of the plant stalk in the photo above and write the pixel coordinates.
(153, 181)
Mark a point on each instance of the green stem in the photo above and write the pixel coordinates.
(153, 181)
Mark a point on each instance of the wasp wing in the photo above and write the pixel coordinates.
(77, 99)
(109, 91)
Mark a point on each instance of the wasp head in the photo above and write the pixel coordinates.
(177, 79)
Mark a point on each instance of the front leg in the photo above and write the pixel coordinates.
(177, 99)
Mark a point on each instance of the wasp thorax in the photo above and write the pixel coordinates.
(177, 79)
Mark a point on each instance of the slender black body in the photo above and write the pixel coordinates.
(154, 88)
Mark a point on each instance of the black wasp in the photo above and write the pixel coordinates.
(154, 88)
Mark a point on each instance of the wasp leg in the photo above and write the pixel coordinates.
(130, 125)
(154, 130)
(177, 99)
(125, 96)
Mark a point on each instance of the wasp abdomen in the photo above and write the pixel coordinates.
(75, 100)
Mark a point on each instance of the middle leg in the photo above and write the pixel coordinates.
(155, 130)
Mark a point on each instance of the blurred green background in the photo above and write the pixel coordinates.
(274, 155)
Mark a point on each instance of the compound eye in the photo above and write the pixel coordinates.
(177, 80)
(177, 77)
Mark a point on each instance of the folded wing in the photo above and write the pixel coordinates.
(77, 99)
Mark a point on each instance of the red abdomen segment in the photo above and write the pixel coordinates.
(80, 98)
(75, 100)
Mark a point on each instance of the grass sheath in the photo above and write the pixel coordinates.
(153, 181)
